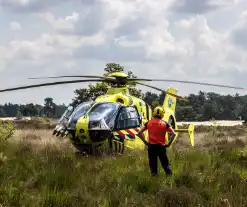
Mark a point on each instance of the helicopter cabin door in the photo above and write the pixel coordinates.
(127, 125)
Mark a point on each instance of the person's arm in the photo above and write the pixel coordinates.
(172, 132)
(140, 134)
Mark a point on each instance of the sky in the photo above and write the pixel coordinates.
(173, 39)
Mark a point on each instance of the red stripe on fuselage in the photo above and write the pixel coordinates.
(120, 133)
(136, 129)
(130, 132)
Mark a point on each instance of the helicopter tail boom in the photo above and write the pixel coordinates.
(190, 131)
(170, 100)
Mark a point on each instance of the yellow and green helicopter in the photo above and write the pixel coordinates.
(116, 117)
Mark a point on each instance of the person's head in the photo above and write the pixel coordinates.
(158, 112)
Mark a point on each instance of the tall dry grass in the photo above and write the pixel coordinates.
(40, 170)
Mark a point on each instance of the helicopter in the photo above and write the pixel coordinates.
(116, 117)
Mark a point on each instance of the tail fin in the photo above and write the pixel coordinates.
(190, 131)
(191, 134)
(170, 101)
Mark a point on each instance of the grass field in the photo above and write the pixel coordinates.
(40, 170)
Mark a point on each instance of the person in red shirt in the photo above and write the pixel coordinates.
(157, 145)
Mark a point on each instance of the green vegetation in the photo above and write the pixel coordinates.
(7, 130)
(39, 171)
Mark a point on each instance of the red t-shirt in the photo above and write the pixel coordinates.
(157, 129)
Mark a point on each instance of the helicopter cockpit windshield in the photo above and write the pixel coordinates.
(64, 120)
(101, 115)
(65, 117)
(79, 111)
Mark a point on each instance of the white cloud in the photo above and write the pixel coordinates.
(61, 24)
(30, 5)
(148, 36)
(46, 47)
(39, 50)
(19, 3)
(223, 3)
(199, 7)
(239, 32)
(15, 26)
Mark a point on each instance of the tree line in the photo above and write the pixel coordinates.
(200, 107)
(49, 109)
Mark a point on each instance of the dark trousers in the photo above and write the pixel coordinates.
(156, 151)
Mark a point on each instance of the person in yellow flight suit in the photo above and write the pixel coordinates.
(157, 145)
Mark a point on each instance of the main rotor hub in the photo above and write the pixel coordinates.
(121, 78)
(118, 75)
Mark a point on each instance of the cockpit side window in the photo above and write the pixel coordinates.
(127, 118)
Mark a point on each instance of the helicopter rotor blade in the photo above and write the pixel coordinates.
(128, 81)
(50, 84)
(189, 82)
(179, 97)
(74, 76)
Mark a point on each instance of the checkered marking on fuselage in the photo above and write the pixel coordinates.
(126, 133)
